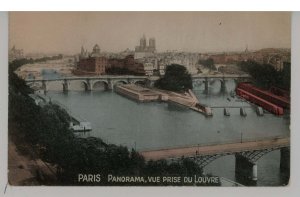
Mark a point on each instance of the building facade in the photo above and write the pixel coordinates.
(92, 65)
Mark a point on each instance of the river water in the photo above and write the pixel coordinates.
(149, 126)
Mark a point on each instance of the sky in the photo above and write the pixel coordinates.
(66, 32)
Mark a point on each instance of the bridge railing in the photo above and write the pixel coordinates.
(221, 76)
(61, 78)
(128, 77)
(223, 142)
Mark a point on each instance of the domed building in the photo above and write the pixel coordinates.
(96, 51)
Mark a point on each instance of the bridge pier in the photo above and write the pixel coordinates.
(243, 112)
(110, 84)
(245, 170)
(259, 111)
(254, 172)
(65, 86)
(88, 86)
(223, 87)
(44, 86)
(206, 84)
(226, 112)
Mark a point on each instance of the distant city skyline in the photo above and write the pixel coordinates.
(66, 32)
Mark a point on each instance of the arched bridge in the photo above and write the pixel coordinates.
(247, 154)
(110, 81)
(206, 78)
(90, 81)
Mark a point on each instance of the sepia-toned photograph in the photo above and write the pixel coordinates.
(149, 99)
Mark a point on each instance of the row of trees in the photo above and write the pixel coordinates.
(266, 75)
(44, 133)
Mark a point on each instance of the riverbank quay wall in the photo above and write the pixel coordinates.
(142, 94)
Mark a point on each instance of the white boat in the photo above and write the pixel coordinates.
(83, 126)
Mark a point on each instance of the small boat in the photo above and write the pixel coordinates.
(82, 126)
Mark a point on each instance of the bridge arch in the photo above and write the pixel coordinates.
(198, 82)
(85, 85)
(100, 85)
(251, 156)
(254, 156)
(218, 79)
(222, 82)
(203, 161)
(78, 85)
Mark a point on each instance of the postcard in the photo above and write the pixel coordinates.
(149, 99)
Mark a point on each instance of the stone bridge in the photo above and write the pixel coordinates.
(206, 79)
(109, 81)
(90, 82)
(247, 154)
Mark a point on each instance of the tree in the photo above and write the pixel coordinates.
(176, 78)
(286, 76)
(266, 75)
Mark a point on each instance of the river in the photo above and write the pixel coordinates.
(149, 126)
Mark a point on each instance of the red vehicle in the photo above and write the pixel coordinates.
(281, 101)
(280, 92)
(271, 107)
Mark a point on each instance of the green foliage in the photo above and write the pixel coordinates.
(266, 75)
(285, 76)
(176, 78)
